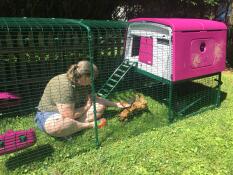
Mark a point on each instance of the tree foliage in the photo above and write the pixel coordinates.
(168, 8)
(87, 9)
(103, 9)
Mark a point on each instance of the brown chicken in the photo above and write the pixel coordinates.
(138, 105)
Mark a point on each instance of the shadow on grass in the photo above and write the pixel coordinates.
(193, 98)
(136, 124)
(28, 157)
(189, 97)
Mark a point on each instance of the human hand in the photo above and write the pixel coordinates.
(89, 103)
(122, 105)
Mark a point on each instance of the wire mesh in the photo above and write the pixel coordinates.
(134, 70)
(35, 54)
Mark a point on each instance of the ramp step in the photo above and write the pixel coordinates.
(115, 78)
(109, 85)
(115, 81)
(117, 75)
(123, 71)
(125, 65)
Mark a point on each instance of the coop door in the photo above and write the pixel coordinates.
(202, 53)
(146, 50)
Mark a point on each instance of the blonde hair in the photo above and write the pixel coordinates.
(80, 69)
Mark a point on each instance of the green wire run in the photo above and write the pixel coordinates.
(33, 50)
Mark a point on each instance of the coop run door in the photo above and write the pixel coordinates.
(149, 45)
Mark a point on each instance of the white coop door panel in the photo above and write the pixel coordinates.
(151, 49)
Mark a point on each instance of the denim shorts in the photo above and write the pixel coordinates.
(41, 118)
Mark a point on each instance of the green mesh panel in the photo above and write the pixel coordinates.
(34, 50)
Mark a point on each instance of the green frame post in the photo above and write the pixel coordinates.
(93, 95)
(218, 89)
(170, 99)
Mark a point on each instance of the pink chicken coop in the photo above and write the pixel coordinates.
(177, 49)
(172, 50)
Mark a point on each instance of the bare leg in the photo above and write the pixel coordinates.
(60, 127)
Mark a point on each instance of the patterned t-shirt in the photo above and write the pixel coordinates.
(60, 90)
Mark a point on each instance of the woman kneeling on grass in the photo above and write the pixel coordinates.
(65, 106)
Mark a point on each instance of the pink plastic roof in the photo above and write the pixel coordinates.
(185, 24)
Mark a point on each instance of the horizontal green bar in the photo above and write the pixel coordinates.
(115, 81)
(123, 71)
(105, 90)
(150, 75)
(119, 76)
(109, 85)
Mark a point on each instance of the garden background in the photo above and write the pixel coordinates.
(201, 144)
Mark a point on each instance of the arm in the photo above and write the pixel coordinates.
(68, 110)
(82, 110)
(106, 102)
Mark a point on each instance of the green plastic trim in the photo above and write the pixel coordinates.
(2, 144)
(22, 138)
(150, 75)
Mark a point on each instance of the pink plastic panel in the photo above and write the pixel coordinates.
(146, 50)
(189, 61)
(12, 142)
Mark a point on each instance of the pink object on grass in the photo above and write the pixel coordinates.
(12, 141)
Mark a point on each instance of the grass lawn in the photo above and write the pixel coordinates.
(147, 144)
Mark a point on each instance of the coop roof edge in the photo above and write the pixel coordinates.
(185, 24)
